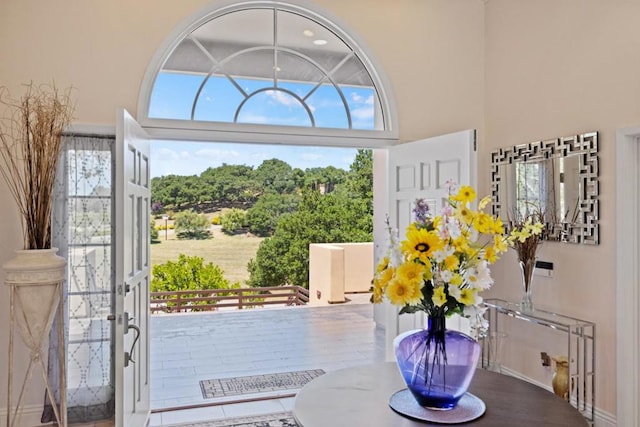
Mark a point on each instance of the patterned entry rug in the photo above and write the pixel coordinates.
(284, 419)
(257, 383)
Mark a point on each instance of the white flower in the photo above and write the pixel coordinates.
(454, 291)
(484, 279)
(471, 277)
(453, 227)
(446, 276)
(440, 255)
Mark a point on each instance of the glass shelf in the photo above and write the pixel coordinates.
(580, 348)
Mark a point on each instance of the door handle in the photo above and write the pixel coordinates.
(128, 356)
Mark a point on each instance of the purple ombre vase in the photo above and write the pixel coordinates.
(437, 364)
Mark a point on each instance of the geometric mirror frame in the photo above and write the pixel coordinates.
(560, 176)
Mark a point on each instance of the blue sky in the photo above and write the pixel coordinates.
(173, 97)
(192, 158)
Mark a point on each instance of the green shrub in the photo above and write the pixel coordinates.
(191, 225)
(153, 231)
(233, 220)
(189, 273)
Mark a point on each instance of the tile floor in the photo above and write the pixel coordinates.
(187, 348)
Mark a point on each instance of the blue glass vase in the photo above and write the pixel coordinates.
(437, 364)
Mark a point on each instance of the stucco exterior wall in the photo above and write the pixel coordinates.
(430, 50)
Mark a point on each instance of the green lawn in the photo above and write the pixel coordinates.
(231, 253)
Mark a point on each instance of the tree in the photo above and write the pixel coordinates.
(175, 190)
(360, 178)
(276, 176)
(263, 216)
(283, 259)
(229, 183)
(190, 225)
(329, 177)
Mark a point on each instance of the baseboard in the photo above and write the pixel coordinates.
(601, 418)
(30, 415)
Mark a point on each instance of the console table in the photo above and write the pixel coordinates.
(581, 337)
(359, 396)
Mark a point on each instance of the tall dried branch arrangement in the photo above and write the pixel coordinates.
(30, 145)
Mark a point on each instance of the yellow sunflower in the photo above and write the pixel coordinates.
(383, 264)
(421, 243)
(380, 282)
(483, 223)
(464, 215)
(411, 272)
(466, 194)
(451, 262)
(400, 292)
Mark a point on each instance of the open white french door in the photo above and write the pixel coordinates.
(421, 169)
(132, 248)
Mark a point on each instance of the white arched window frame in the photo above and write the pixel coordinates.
(194, 129)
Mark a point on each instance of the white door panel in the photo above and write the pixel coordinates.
(421, 169)
(132, 249)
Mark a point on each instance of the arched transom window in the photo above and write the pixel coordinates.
(265, 63)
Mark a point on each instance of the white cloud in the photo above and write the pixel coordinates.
(282, 98)
(218, 155)
(252, 118)
(311, 157)
(355, 97)
(166, 154)
(362, 113)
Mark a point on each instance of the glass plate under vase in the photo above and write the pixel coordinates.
(436, 363)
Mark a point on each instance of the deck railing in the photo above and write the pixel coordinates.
(214, 299)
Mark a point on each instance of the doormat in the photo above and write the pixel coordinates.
(283, 419)
(235, 386)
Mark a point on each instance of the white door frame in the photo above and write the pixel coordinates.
(628, 276)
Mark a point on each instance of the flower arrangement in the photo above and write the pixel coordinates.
(30, 146)
(443, 263)
(525, 236)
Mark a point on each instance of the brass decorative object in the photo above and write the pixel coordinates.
(560, 381)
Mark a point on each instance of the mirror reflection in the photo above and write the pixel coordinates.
(558, 178)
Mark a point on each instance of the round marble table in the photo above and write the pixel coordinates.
(359, 396)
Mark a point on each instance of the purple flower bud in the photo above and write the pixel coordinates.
(421, 211)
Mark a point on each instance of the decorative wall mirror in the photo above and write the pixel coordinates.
(557, 176)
